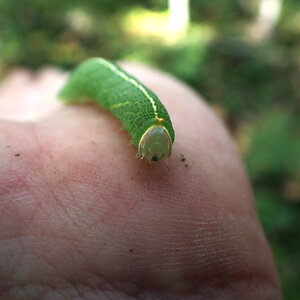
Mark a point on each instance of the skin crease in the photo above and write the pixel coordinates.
(82, 218)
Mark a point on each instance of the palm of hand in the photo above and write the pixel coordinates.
(82, 217)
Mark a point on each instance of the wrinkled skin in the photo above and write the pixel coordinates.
(82, 218)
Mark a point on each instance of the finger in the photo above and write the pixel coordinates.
(28, 96)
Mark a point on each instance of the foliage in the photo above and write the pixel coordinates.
(256, 83)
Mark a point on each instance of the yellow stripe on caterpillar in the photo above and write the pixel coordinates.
(132, 81)
(119, 105)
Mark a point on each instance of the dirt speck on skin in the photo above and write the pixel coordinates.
(184, 159)
(17, 154)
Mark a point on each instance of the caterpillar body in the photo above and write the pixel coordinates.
(139, 109)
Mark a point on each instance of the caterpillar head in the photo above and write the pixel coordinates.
(155, 144)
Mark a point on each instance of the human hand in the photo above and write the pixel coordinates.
(82, 218)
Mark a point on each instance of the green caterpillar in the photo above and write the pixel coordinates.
(139, 109)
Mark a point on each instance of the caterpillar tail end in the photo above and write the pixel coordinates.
(155, 144)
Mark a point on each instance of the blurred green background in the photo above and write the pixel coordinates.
(242, 56)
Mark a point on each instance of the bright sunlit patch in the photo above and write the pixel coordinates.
(79, 21)
(178, 15)
(267, 19)
(270, 10)
(162, 26)
(142, 22)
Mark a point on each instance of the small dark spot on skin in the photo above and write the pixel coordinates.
(176, 250)
(183, 159)
(18, 154)
(130, 250)
(154, 158)
(7, 146)
(94, 143)
(186, 165)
